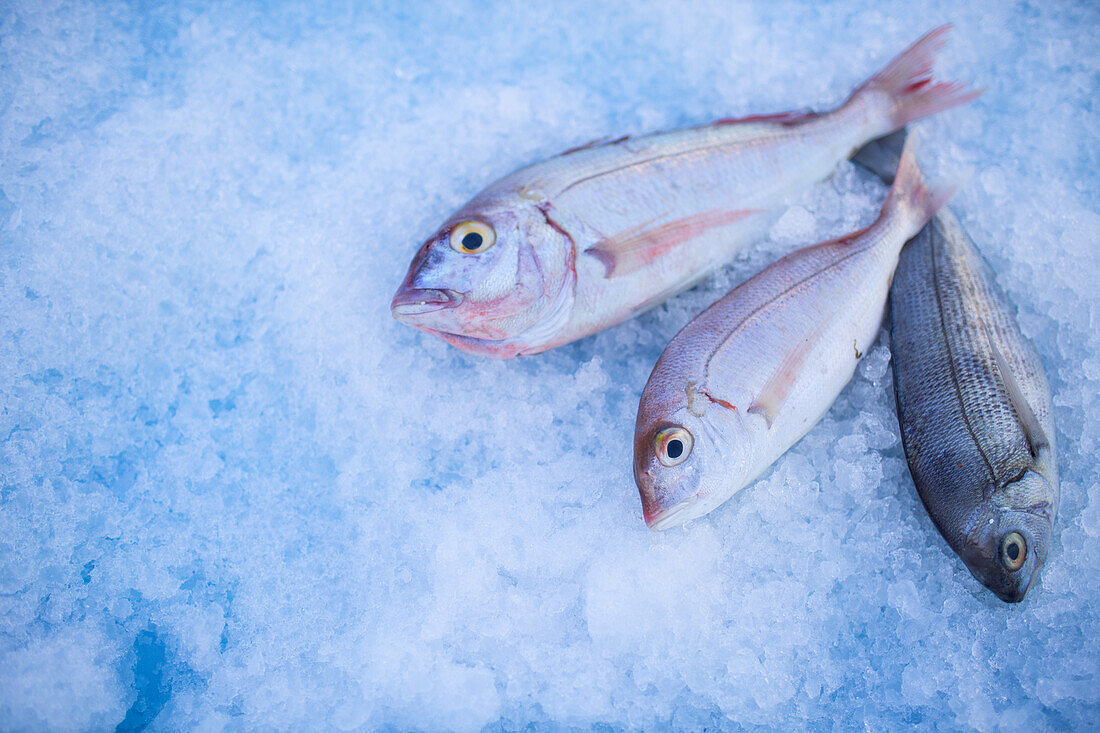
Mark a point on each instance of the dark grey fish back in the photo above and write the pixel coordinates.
(961, 434)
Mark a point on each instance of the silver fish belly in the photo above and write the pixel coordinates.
(577, 243)
(975, 410)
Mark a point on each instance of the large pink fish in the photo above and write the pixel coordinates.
(575, 244)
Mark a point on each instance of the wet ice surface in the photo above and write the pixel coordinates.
(234, 493)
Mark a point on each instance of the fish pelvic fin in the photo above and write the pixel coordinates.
(908, 84)
(632, 249)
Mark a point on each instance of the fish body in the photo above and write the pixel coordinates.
(575, 244)
(973, 402)
(748, 377)
(975, 410)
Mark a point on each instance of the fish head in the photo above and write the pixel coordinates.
(1008, 543)
(488, 274)
(688, 451)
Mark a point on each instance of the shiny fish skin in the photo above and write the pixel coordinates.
(748, 377)
(981, 465)
(594, 236)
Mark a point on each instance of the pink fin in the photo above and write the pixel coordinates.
(911, 192)
(908, 81)
(786, 119)
(774, 392)
(634, 248)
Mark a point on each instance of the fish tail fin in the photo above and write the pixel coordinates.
(881, 156)
(911, 196)
(908, 88)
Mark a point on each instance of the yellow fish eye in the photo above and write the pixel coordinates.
(1013, 550)
(673, 445)
(472, 237)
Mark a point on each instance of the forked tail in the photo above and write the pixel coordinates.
(904, 91)
(911, 197)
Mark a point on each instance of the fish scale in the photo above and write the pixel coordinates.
(968, 442)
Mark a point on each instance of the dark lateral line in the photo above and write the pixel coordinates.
(755, 312)
(952, 369)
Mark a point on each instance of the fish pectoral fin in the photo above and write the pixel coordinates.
(1036, 437)
(765, 407)
(776, 390)
(634, 248)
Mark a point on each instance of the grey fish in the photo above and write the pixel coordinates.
(974, 405)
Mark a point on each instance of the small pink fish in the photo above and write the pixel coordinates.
(750, 375)
(583, 241)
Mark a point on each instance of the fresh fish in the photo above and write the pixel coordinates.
(575, 244)
(749, 376)
(974, 406)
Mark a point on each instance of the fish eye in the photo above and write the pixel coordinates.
(472, 237)
(1013, 551)
(673, 445)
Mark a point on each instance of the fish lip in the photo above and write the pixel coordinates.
(418, 301)
(1015, 597)
(1017, 594)
(1013, 594)
(664, 518)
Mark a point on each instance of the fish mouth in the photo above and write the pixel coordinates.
(418, 301)
(1013, 595)
(1008, 589)
(667, 518)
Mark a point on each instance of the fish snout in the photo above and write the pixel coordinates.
(412, 301)
(1013, 594)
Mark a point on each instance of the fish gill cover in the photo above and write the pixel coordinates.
(235, 493)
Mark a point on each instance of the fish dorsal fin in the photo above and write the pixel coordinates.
(786, 119)
(1036, 437)
(606, 140)
(634, 248)
(774, 393)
